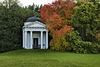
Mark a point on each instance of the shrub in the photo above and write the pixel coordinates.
(84, 47)
(79, 46)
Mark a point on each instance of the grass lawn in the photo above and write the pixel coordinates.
(47, 58)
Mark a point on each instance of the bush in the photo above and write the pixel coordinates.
(85, 47)
(79, 46)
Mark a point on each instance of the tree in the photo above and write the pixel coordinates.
(94, 1)
(84, 20)
(34, 9)
(40, 6)
(12, 18)
(57, 17)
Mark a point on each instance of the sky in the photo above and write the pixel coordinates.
(36, 2)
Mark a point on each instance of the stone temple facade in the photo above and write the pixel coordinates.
(35, 34)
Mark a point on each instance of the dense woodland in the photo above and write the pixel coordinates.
(73, 27)
(12, 18)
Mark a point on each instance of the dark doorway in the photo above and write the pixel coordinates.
(35, 43)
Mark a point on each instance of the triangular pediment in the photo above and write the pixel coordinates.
(36, 24)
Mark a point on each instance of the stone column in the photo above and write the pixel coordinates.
(23, 39)
(46, 39)
(31, 44)
(26, 40)
(41, 39)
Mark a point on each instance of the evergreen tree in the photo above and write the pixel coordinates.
(12, 18)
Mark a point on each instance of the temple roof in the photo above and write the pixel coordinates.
(35, 24)
(33, 19)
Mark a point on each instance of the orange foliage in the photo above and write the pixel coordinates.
(57, 17)
(98, 36)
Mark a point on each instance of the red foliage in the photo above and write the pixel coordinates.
(57, 17)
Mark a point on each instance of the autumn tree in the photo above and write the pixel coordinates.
(57, 17)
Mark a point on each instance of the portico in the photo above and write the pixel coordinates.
(35, 35)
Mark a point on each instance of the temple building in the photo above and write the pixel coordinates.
(35, 34)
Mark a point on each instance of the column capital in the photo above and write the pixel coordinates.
(41, 31)
(31, 31)
(47, 31)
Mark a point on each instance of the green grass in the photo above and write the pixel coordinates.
(47, 58)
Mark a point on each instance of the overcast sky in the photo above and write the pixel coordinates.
(36, 2)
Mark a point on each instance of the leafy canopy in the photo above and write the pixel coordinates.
(57, 17)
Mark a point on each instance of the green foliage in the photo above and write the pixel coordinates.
(94, 1)
(72, 39)
(35, 9)
(79, 46)
(84, 20)
(85, 47)
(12, 18)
